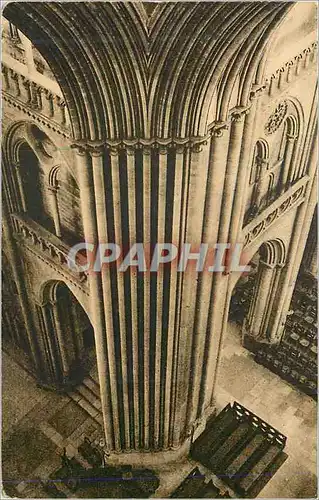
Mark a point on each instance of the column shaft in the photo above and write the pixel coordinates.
(174, 430)
(219, 288)
(162, 174)
(196, 189)
(116, 182)
(146, 284)
(85, 179)
(297, 244)
(213, 207)
(107, 343)
(20, 186)
(172, 334)
(263, 295)
(243, 173)
(130, 159)
(20, 284)
(287, 169)
(50, 343)
(61, 340)
(55, 210)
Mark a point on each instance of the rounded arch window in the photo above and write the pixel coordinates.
(32, 181)
(260, 157)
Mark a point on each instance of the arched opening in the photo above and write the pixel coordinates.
(67, 204)
(67, 336)
(252, 306)
(257, 198)
(32, 184)
(287, 151)
(45, 191)
(243, 293)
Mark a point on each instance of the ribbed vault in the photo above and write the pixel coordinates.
(128, 72)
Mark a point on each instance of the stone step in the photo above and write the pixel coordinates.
(92, 385)
(87, 394)
(89, 402)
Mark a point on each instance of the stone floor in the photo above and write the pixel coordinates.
(38, 424)
(279, 404)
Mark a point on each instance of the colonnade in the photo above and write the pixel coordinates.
(279, 267)
(61, 327)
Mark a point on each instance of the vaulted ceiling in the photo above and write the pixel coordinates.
(132, 70)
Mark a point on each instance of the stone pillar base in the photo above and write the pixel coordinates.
(252, 343)
(149, 459)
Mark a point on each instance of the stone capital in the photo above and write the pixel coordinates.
(162, 150)
(218, 129)
(238, 114)
(130, 150)
(96, 151)
(80, 149)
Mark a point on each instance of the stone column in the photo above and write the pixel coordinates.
(297, 244)
(5, 78)
(220, 280)
(172, 335)
(88, 211)
(263, 180)
(107, 343)
(243, 170)
(146, 286)
(133, 199)
(25, 90)
(55, 209)
(48, 333)
(60, 107)
(287, 166)
(27, 45)
(17, 273)
(260, 302)
(116, 174)
(17, 167)
(213, 207)
(47, 103)
(58, 327)
(162, 176)
(196, 182)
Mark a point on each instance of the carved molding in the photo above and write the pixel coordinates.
(276, 119)
(36, 116)
(290, 199)
(291, 68)
(44, 247)
(163, 146)
(36, 101)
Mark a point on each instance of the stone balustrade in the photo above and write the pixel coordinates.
(291, 70)
(291, 198)
(34, 99)
(47, 247)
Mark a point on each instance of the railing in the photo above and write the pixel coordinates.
(48, 247)
(291, 198)
(34, 99)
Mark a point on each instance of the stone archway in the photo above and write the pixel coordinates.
(258, 324)
(67, 337)
(253, 302)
